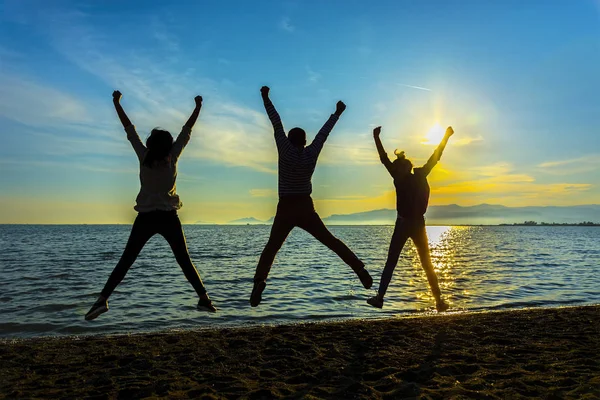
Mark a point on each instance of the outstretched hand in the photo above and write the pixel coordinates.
(198, 100)
(377, 131)
(449, 131)
(339, 108)
(117, 96)
(264, 91)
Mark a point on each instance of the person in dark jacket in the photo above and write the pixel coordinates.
(412, 198)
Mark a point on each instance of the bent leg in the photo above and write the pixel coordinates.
(399, 238)
(313, 224)
(141, 231)
(421, 242)
(172, 231)
(279, 231)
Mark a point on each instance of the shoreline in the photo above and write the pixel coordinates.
(549, 352)
(232, 326)
(305, 323)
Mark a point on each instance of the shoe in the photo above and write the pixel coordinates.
(256, 296)
(365, 278)
(99, 307)
(206, 305)
(376, 301)
(441, 306)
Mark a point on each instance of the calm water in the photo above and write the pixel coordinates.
(50, 276)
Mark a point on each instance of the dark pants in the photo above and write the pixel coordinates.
(299, 211)
(146, 225)
(413, 228)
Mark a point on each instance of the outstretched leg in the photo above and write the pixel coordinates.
(172, 231)
(399, 238)
(421, 242)
(142, 230)
(313, 224)
(279, 231)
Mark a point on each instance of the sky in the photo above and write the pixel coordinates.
(518, 81)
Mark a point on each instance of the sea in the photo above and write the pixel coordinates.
(50, 275)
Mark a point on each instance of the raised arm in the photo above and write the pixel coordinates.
(319, 140)
(192, 119)
(186, 132)
(132, 135)
(281, 140)
(120, 112)
(437, 154)
(382, 154)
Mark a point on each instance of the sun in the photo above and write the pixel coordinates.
(434, 135)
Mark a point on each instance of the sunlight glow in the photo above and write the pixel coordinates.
(434, 135)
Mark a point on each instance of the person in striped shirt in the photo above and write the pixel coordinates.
(295, 208)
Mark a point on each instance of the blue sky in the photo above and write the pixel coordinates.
(517, 80)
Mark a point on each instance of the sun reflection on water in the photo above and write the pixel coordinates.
(444, 242)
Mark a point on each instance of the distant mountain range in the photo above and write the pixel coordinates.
(249, 221)
(452, 214)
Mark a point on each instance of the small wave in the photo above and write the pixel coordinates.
(346, 297)
(59, 276)
(54, 307)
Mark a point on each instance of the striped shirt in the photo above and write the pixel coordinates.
(296, 166)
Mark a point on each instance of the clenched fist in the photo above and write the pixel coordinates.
(339, 108)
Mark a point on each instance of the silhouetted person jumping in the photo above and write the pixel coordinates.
(412, 198)
(295, 208)
(157, 204)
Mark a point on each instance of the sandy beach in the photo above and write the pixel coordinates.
(535, 353)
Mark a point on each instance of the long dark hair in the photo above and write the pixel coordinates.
(159, 145)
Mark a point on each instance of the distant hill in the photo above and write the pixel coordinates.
(482, 214)
(249, 221)
(453, 214)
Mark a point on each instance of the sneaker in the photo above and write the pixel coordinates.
(99, 307)
(365, 278)
(206, 305)
(256, 296)
(376, 301)
(441, 306)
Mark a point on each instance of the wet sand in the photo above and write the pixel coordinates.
(539, 353)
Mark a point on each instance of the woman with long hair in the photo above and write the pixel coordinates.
(157, 204)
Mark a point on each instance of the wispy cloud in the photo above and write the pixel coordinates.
(592, 158)
(103, 166)
(31, 103)
(153, 91)
(414, 87)
(578, 165)
(263, 193)
(286, 25)
(313, 76)
(503, 184)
